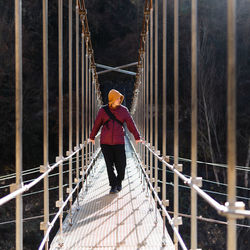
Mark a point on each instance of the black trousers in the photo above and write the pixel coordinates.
(115, 156)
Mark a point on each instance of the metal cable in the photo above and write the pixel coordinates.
(207, 191)
(200, 217)
(170, 220)
(205, 180)
(30, 171)
(242, 168)
(27, 219)
(221, 209)
(41, 191)
(66, 201)
(25, 172)
(38, 171)
(30, 180)
(25, 188)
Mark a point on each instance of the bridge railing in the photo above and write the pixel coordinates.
(145, 108)
(86, 86)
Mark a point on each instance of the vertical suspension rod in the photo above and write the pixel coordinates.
(156, 102)
(45, 119)
(92, 105)
(77, 97)
(176, 111)
(83, 19)
(82, 109)
(231, 119)
(19, 121)
(164, 109)
(151, 89)
(194, 124)
(86, 103)
(144, 95)
(70, 105)
(147, 97)
(89, 103)
(60, 77)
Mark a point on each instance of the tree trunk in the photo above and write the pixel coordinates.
(209, 137)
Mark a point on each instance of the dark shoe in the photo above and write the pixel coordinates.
(119, 188)
(113, 190)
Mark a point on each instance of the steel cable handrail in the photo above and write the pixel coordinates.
(30, 171)
(41, 191)
(241, 168)
(37, 169)
(30, 180)
(25, 172)
(205, 180)
(159, 201)
(207, 191)
(25, 188)
(169, 183)
(200, 217)
(221, 209)
(50, 226)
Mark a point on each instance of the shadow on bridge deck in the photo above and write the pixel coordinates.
(113, 221)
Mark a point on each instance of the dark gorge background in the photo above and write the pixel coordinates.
(115, 28)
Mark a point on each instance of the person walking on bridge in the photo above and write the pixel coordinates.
(112, 117)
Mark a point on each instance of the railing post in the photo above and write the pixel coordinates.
(86, 105)
(19, 121)
(95, 107)
(231, 120)
(164, 111)
(147, 101)
(140, 106)
(144, 96)
(151, 93)
(176, 112)
(92, 107)
(141, 102)
(82, 109)
(44, 225)
(60, 77)
(194, 125)
(89, 103)
(70, 106)
(89, 106)
(77, 98)
(156, 104)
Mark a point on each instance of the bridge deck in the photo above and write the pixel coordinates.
(113, 221)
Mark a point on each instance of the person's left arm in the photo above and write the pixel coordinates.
(97, 124)
(131, 126)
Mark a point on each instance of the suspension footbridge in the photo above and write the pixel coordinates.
(138, 217)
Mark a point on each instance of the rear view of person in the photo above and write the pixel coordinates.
(112, 117)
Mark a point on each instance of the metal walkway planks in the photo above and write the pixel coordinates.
(113, 221)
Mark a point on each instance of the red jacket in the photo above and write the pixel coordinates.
(112, 132)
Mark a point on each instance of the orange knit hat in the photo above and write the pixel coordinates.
(113, 95)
